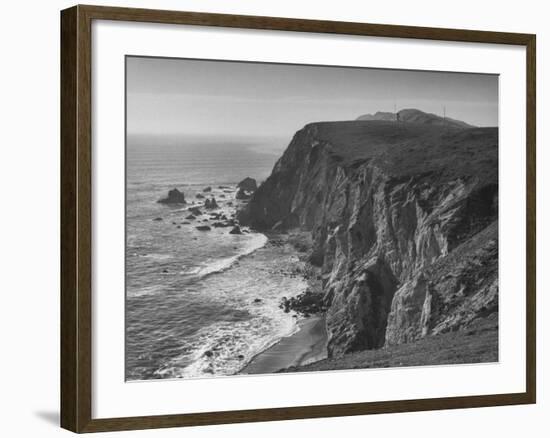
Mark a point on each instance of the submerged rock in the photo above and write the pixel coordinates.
(207, 189)
(203, 227)
(195, 210)
(174, 197)
(157, 219)
(221, 224)
(199, 196)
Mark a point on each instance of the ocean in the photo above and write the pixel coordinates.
(199, 303)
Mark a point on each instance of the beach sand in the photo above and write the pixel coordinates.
(307, 345)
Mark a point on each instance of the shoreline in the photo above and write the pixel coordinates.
(307, 345)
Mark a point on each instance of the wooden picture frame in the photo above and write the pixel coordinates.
(76, 217)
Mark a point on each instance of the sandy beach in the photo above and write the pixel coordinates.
(307, 345)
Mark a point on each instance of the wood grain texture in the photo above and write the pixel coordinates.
(76, 218)
(299, 25)
(531, 250)
(69, 331)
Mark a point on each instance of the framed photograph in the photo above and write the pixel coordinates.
(270, 218)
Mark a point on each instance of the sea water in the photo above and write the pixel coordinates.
(198, 303)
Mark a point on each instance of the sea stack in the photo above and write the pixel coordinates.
(211, 204)
(246, 188)
(174, 197)
(248, 184)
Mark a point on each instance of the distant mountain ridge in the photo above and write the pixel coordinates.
(412, 115)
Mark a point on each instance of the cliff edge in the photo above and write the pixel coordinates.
(403, 217)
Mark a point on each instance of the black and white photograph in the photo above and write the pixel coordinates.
(303, 218)
(275, 219)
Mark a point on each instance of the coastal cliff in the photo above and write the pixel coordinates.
(403, 219)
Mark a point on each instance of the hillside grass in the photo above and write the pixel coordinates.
(412, 149)
(477, 344)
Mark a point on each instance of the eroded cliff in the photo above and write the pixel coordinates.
(403, 218)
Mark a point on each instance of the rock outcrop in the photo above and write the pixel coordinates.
(174, 197)
(450, 294)
(403, 219)
(248, 184)
(211, 204)
(243, 195)
(246, 188)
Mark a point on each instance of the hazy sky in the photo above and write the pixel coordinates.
(219, 98)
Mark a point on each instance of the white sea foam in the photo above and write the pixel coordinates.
(228, 357)
(250, 294)
(187, 280)
(256, 242)
(223, 348)
(145, 290)
(156, 256)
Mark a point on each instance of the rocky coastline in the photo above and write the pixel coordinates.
(402, 220)
(396, 229)
(207, 211)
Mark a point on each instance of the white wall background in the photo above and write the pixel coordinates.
(29, 219)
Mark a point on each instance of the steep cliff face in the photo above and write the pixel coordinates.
(450, 294)
(403, 219)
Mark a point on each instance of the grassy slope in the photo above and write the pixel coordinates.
(478, 344)
(409, 149)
